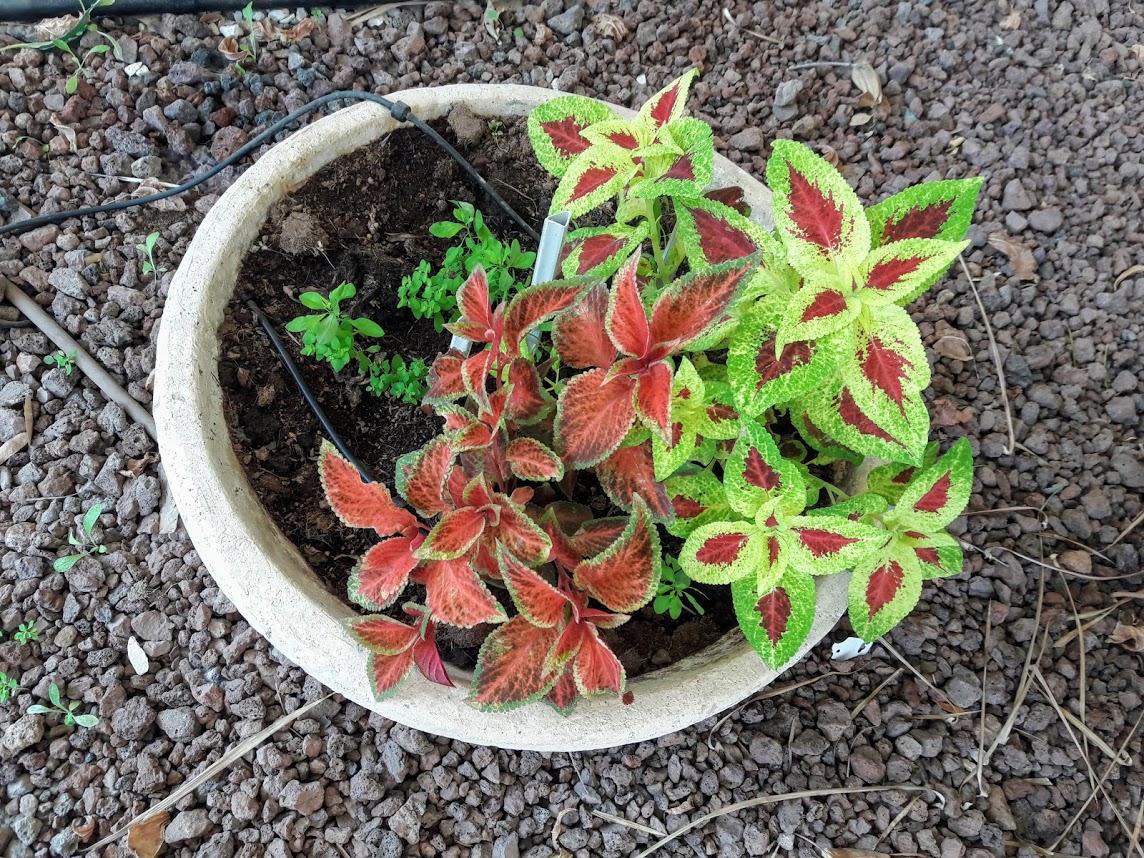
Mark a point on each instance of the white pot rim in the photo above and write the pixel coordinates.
(265, 576)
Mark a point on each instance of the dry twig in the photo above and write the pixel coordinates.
(996, 355)
(765, 695)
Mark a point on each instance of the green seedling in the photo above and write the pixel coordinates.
(329, 335)
(81, 68)
(433, 295)
(248, 47)
(71, 719)
(7, 687)
(26, 633)
(675, 594)
(63, 564)
(147, 248)
(400, 380)
(64, 360)
(43, 146)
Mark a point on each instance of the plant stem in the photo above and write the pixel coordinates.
(652, 215)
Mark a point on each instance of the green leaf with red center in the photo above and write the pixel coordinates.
(534, 305)
(941, 210)
(454, 534)
(687, 416)
(938, 554)
(694, 304)
(710, 232)
(719, 417)
(555, 129)
(856, 508)
(939, 493)
(696, 499)
(630, 472)
(815, 312)
(899, 272)
(383, 635)
(537, 600)
(667, 105)
(626, 134)
(580, 334)
(531, 460)
(599, 251)
(511, 668)
(829, 449)
(382, 573)
(358, 503)
(890, 480)
(387, 672)
(762, 375)
(457, 595)
(592, 179)
(685, 173)
(625, 576)
(883, 589)
(887, 365)
(563, 695)
(444, 381)
(593, 415)
(756, 473)
(723, 551)
(817, 215)
(887, 433)
(421, 484)
(595, 667)
(825, 544)
(776, 623)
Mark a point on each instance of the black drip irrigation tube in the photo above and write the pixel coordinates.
(34, 10)
(399, 111)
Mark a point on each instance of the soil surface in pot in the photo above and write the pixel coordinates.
(365, 219)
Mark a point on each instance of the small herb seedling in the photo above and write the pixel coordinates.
(249, 46)
(329, 334)
(63, 43)
(63, 564)
(147, 248)
(401, 380)
(64, 360)
(675, 594)
(7, 687)
(27, 633)
(71, 719)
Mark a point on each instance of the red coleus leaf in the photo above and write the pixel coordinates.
(453, 534)
(531, 460)
(511, 669)
(758, 473)
(580, 334)
(475, 373)
(731, 197)
(428, 660)
(518, 533)
(426, 477)
(595, 666)
(444, 379)
(565, 135)
(826, 303)
(885, 581)
(560, 520)
(886, 368)
(527, 401)
(536, 599)
(456, 595)
(384, 635)
(821, 543)
(774, 612)
(653, 397)
(692, 305)
(722, 549)
(627, 323)
(591, 179)
(597, 534)
(383, 572)
(624, 576)
(598, 249)
(473, 302)
(719, 239)
(534, 305)
(358, 503)
(593, 416)
(386, 672)
(630, 472)
(562, 696)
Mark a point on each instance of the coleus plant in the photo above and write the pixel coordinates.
(710, 375)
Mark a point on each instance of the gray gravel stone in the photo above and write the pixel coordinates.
(304, 798)
(569, 22)
(134, 719)
(23, 733)
(188, 825)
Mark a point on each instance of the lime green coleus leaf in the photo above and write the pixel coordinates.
(556, 130)
(941, 210)
(698, 499)
(756, 474)
(856, 508)
(828, 449)
(724, 551)
(701, 413)
(599, 251)
(686, 168)
(710, 233)
(938, 494)
(592, 179)
(938, 554)
(900, 271)
(776, 622)
(667, 105)
(887, 364)
(898, 434)
(883, 589)
(825, 544)
(762, 375)
(890, 480)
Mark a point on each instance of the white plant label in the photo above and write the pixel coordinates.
(850, 648)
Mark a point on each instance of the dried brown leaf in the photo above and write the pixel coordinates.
(954, 348)
(859, 119)
(610, 26)
(1021, 258)
(13, 446)
(1132, 637)
(66, 130)
(946, 414)
(863, 75)
(229, 48)
(145, 838)
(1012, 21)
(299, 31)
(1138, 52)
(1135, 269)
(84, 829)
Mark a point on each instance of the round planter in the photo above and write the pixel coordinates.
(265, 576)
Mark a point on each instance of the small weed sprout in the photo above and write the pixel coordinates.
(147, 248)
(7, 686)
(249, 46)
(329, 335)
(674, 595)
(71, 719)
(26, 633)
(430, 295)
(81, 27)
(64, 564)
(402, 381)
(63, 360)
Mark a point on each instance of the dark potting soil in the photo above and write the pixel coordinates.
(365, 219)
